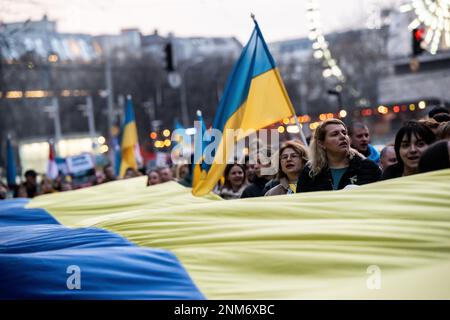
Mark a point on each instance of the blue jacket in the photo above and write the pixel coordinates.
(374, 155)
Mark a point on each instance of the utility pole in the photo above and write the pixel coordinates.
(184, 107)
(57, 120)
(183, 90)
(149, 107)
(338, 94)
(88, 110)
(53, 111)
(121, 104)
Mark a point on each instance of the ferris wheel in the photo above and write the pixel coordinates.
(434, 17)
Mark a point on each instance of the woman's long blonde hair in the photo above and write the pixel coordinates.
(318, 156)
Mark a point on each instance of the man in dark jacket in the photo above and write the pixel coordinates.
(256, 188)
(31, 184)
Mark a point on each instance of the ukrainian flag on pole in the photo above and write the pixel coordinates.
(129, 144)
(254, 98)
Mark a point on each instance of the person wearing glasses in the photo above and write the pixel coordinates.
(292, 158)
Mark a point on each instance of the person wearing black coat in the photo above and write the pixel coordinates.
(333, 163)
(259, 181)
(436, 157)
(269, 185)
(256, 188)
(360, 171)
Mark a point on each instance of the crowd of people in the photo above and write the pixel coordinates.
(34, 184)
(31, 188)
(342, 157)
(338, 157)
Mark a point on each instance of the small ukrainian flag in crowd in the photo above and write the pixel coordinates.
(129, 145)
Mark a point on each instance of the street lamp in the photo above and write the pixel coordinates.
(88, 111)
(183, 90)
(53, 58)
(338, 94)
(53, 111)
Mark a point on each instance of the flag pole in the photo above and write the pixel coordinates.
(302, 135)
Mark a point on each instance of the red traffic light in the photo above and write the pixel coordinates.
(418, 36)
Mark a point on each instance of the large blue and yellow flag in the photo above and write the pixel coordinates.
(254, 98)
(123, 240)
(129, 144)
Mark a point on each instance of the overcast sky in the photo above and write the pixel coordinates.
(278, 19)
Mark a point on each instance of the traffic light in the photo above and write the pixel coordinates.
(418, 36)
(168, 50)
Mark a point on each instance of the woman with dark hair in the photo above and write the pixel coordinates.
(292, 157)
(410, 142)
(333, 164)
(235, 181)
(153, 177)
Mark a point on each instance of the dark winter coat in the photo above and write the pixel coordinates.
(256, 189)
(360, 171)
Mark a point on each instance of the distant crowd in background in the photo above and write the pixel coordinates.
(338, 157)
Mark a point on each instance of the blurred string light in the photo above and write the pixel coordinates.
(14, 94)
(320, 46)
(287, 124)
(292, 129)
(342, 114)
(53, 58)
(166, 133)
(382, 110)
(159, 144)
(434, 15)
(190, 131)
(45, 93)
(314, 125)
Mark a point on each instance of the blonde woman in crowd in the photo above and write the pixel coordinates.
(333, 164)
